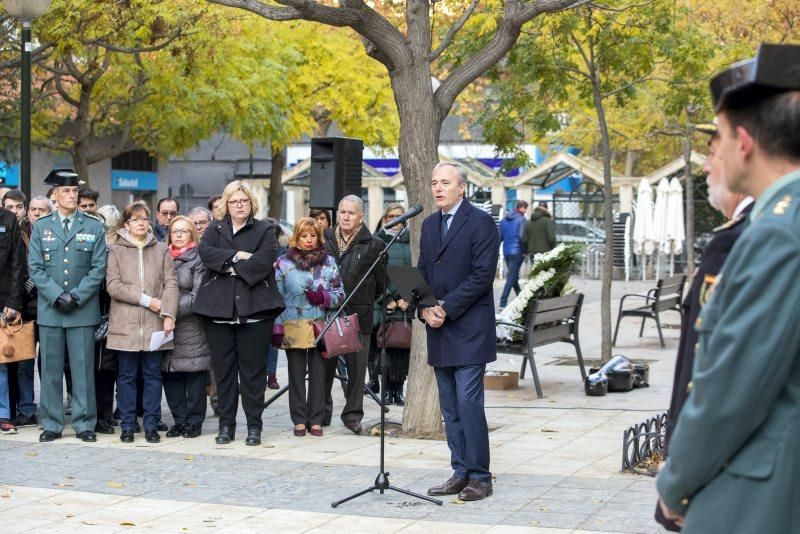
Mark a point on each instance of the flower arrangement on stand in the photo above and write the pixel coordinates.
(548, 277)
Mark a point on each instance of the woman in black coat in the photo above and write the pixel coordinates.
(239, 300)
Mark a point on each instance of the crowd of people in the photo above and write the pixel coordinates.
(131, 308)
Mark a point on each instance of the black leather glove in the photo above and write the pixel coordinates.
(66, 303)
(30, 287)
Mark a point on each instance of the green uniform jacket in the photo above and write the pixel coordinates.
(75, 263)
(733, 463)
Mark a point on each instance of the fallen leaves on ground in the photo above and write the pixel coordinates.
(457, 501)
(127, 524)
(31, 453)
(115, 485)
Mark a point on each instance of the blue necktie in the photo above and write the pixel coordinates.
(445, 218)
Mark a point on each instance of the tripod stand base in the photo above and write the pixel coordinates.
(382, 484)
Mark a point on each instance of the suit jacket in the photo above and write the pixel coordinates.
(733, 463)
(251, 293)
(75, 263)
(460, 271)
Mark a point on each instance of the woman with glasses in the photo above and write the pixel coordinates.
(239, 301)
(140, 280)
(186, 365)
(309, 281)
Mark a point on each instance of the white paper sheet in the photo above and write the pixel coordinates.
(159, 338)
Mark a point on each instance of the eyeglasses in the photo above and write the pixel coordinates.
(239, 202)
(180, 231)
(139, 219)
(201, 224)
(168, 213)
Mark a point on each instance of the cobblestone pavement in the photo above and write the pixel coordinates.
(556, 464)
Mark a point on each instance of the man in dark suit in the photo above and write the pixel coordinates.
(459, 247)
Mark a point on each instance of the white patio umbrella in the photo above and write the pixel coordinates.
(643, 224)
(676, 232)
(660, 222)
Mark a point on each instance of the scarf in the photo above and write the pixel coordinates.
(306, 260)
(176, 252)
(343, 243)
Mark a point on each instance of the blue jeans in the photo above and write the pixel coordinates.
(25, 369)
(514, 263)
(126, 388)
(272, 360)
(5, 404)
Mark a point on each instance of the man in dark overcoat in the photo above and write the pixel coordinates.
(459, 247)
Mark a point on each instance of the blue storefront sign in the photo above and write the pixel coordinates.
(9, 173)
(133, 180)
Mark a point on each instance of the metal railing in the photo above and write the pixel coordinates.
(644, 445)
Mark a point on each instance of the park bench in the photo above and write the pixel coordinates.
(553, 320)
(666, 296)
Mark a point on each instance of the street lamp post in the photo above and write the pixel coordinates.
(26, 11)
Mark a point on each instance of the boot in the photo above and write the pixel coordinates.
(272, 381)
(388, 394)
(399, 398)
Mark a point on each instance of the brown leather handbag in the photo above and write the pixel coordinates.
(398, 335)
(343, 337)
(17, 340)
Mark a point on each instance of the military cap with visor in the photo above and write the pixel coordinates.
(63, 178)
(775, 69)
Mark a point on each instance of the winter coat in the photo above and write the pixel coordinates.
(293, 280)
(353, 265)
(131, 272)
(399, 255)
(12, 262)
(191, 352)
(250, 292)
(540, 232)
(511, 228)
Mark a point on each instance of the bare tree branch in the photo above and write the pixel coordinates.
(178, 33)
(515, 14)
(454, 29)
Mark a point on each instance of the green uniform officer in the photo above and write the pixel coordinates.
(67, 262)
(733, 463)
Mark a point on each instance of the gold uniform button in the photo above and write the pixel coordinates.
(66, 283)
(66, 271)
(66, 260)
(689, 386)
(699, 322)
(66, 249)
(696, 347)
(685, 501)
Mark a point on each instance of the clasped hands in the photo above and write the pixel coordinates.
(434, 316)
(66, 302)
(240, 255)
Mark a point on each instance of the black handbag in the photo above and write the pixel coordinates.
(101, 330)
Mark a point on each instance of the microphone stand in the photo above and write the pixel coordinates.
(382, 480)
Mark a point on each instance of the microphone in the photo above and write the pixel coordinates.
(415, 210)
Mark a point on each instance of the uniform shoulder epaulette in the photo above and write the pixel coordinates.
(730, 224)
(93, 216)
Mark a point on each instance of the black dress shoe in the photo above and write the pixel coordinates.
(399, 398)
(162, 427)
(175, 431)
(451, 487)
(49, 435)
(253, 437)
(152, 436)
(87, 435)
(226, 435)
(103, 426)
(126, 436)
(191, 431)
(353, 426)
(476, 490)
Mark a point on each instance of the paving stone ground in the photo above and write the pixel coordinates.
(556, 463)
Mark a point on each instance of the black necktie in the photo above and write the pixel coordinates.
(66, 226)
(445, 218)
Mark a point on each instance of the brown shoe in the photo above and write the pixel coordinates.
(476, 490)
(353, 426)
(451, 487)
(315, 431)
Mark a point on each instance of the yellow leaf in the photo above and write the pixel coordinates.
(31, 453)
(115, 485)
(190, 484)
(127, 524)
(457, 501)
(189, 458)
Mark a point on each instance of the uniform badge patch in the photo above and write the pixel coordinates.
(782, 205)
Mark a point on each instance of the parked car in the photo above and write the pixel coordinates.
(578, 231)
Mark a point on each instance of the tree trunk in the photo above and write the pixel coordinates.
(276, 181)
(689, 178)
(608, 223)
(80, 158)
(420, 126)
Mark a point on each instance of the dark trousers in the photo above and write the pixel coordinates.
(514, 264)
(126, 388)
(354, 390)
(240, 350)
(186, 396)
(104, 392)
(461, 400)
(307, 408)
